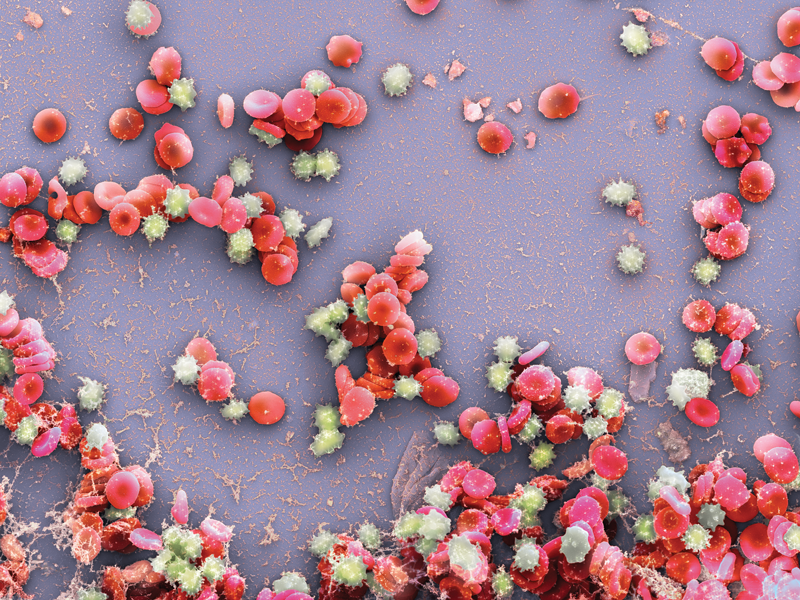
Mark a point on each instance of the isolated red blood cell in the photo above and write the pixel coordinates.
(165, 65)
(356, 406)
(494, 137)
(343, 50)
(261, 104)
(122, 489)
(126, 123)
(225, 110)
(764, 78)
(789, 27)
(205, 211)
(702, 412)
(202, 350)
(723, 121)
(468, 418)
(642, 348)
(124, 219)
(400, 346)
(299, 105)
(610, 462)
(176, 150)
(49, 125)
(422, 7)
(719, 53)
(266, 408)
(277, 269)
(333, 106)
(794, 406)
(559, 101)
(486, 437)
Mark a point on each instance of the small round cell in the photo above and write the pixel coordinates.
(683, 567)
(383, 309)
(486, 437)
(176, 150)
(719, 53)
(122, 489)
(299, 105)
(559, 101)
(494, 137)
(343, 50)
(225, 110)
(49, 125)
(266, 408)
(356, 406)
(126, 124)
(422, 7)
(28, 388)
(479, 484)
(781, 465)
(205, 211)
(789, 27)
(786, 67)
(333, 106)
(440, 391)
(642, 348)
(610, 462)
(277, 269)
(124, 219)
(699, 316)
(702, 412)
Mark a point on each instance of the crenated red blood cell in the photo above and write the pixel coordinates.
(755, 128)
(266, 408)
(165, 65)
(764, 77)
(299, 105)
(723, 121)
(789, 27)
(494, 137)
(343, 50)
(559, 101)
(49, 125)
(124, 219)
(719, 53)
(642, 348)
(468, 418)
(732, 152)
(610, 462)
(786, 67)
(422, 7)
(126, 123)
(702, 412)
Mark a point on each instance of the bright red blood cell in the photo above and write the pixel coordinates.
(559, 101)
(732, 152)
(30, 226)
(794, 406)
(46, 442)
(400, 346)
(277, 269)
(732, 354)
(343, 50)
(789, 27)
(786, 67)
(494, 137)
(356, 406)
(165, 65)
(737, 69)
(610, 462)
(215, 382)
(781, 465)
(205, 211)
(729, 242)
(766, 443)
(468, 418)
(536, 383)
(755, 128)
(745, 380)
(723, 122)
(142, 201)
(333, 106)
(9, 322)
(28, 388)
(699, 316)
(642, 348)
(719, 53)
(124, 219)
(702, 412)
(668, 523)
(479, 484)
(422, 7)
(176, 150)
(267, 233)
(772, 500)
(152, 94)
(756, 181)
(266, 408)
(725, 209)
(108, 194)
(683, 567)
(560, 429)
(754, 542)
(586, 378)
(261, 104)
(225, 110)
(299, 105)
(486, 437)
(234, 216)
(126, 123)
(764, 78)
(33, 182)
(383, 308)
(202, 350)
(49, 125)
(439, 390)
(122, 489)
(380, 282)
(787, 96)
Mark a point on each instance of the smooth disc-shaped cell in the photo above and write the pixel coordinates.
(126, 123)
(494, 137)
(683, 567)
(343, 50)
(754, 542)
(122, 489)
(358, 272)
(383, 309)
(30, 226)
(610, 462)
(440, 391)
(757, 178)
(723, 122)
(642, 348)
(205, 211)
(732, 355)
(356, 406)
(486, 437)
(46, 443)
(277, 269)
(225, 110)
(702, 412)
(176, 150)
(772, 500)
(479, 484)
(234, 216)
(794, 406)
(786, 67)
(534, 353)
(261, 104)
(28, 388)
(380, 282)
(764, 77)
(745, 380)
(766, 443)
(266, 408)
(215, 385)
(180, 508)
(422, 7)
(731, 492)
(468, 418)
(108, 194)
(781, 465)
(789, 27)
(152, 94)
(719, 53)
(201, 350)
(333, 106)
(13, 191)
(536, 383)
(699, 316)
(49, 125)
(299, 105)
(400, 346)
(559, 101)
(144, 539)
(267, 233)
(787, 95)
(124, 219)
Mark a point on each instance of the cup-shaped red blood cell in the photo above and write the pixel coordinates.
(356, 406)
(756, 181)
(719, 53)
(202, 350)
(126, 123)
(333, 106)
(234, 216)
(343, 50)
(732, 152)
(151, 94)
(439, 390)
(176, 150)
(468, 418)
(28, 225)
(642, 348)
(422, 7)
(266, 408)
(124, 219)
(702, 412)
(215, 384)
(400, 346)
(225, 110)
(669, 524)
(786, 67)
(49, 125)
(486, 437)
(745, 380)
(383, 308)
(261, 104)
(479, 484)
(789, 27)
(205, 211)
(28, 388)
(145, 494)
(736, 70)
(723, 122)
(165, 65)
(494, 137)
(787, 96)
(299, 105)
(755, 128)
(684, 566)
(277, 269)
(764, 78)
(559, 101)
(610, 462)
(772, 500)
(122, 489)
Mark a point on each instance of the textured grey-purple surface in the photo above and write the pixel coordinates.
(522, 243)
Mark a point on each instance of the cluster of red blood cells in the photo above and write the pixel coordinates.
(14, 570)
(781, 75)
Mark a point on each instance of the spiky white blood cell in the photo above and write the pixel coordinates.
(446, 433)
(705, 351)
(67, 231)
(407, 387)
(575, 544)
(687, 384)
(327, 164)
(240, 246)
(91, 394)
(186, 370)
(397, 79)
(182, 93)
(304, 166)
(619, 193)
(241, 170)
(542, 456)
(318, 232)
(235, 410)
(635, 39)
(706, 271)
(630, 259)
(527, 556)
(72, 171)
(594, 427)
(292, 222)
(154, 227)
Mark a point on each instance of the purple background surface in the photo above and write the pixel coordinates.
(522, 243)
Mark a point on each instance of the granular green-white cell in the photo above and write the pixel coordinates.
(182, 93)
(630, 259)
(72, 171)
(635, 39)
(397, 80)
(328, 165)
(619, 193)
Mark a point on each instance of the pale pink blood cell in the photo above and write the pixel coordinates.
(725, 208)
(642, 348)
(675, 500)
(234, 216)
(422, 7)
(299, 105)
(559, 101)
(261, 104)
(456, 70)
(28, 388)
(585, 509)
(586, 378)
(46, 443)
(225, 110)
(772, 500)
(13, 190)
(122, 489)
(358, 272)
(719, 53)
(124, 219)
(515, 106)
(789, 27)
(180, 508)
(505, 434)
(176, 150)
(223, 188)
(536, 383)
(479, 484)
(217, 531)
(794, 406)
(33, 182)
(333, 106)
(530, 139)
(400, 346)
(144, 539)
(201, 350)
(205, 211)
(756, 181)
(8, 322)
(781, 465)
(732, 355)
(786, 67)
(429, 80)
(702, 412)
(383, 308)
(486, 437)
(277, 269)
(723, 122)
(356, 406)
(214, 385)
(732, 152)
(764, 78)
(701, 211)
(151, 94)
(29, 226)
(707, 136)
(86, 545)
(108, 194)
(787, 96)
(381, 282)
(506, 520)
(468, 418)
(736, 70)
(494, 137)
(472, 111)
(755, 128)
(534, 353)
(745, 380)
(766, 443)
(730, 492)
(165, 65)
(610, 462)
(343, 50)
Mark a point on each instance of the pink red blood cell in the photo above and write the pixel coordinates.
(108, 194)
(559, 101)
(702, 412)
(383, 308)
(267, 233)
(299, 105)
(468, 418)
(719, 53)
(180, 508)
(772, 500)
(333, 106)
(610, 462)
(223, 188)
(534, 353)
(152, 26)
(723, 122)
(176, 150)
(536, 383)
(794, 406)
(754, 542)
(642, 348)
(356, 406)
(781, 465)
(122, 489)
(400, 346)
(789, 27)
(787, 96)
(766, 443)
(494, 137)
(234, 216)
(124, 219)
(266, 408)
(216, 530)
(479, 484)
(13, 191)
(205, 211)
(786, 67)
(486, 437)
(755, 128)
(201, 350)
(165, 65)
(380, 282)
(225, 109)
(46, 442)
(732, 152)
(29, 226)
(683, 567)
(439, 391)
(560, 429)
(725, 209)
(33, 182)
(422, 7)
(261, 104)
(343, 50)
(745, 380)
(736, 70)
(732, 354)
(144, 539)
(215, 382)
(765, 78)
(277, 269)
(756, 181)
(28, 388)
(49, 125)
(126, 123)
(152, 95)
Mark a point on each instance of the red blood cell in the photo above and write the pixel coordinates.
(124, 219)
(642, 348)
(729, 242)
(723, 122)
(789, 27)
(356, 406)
(86, 545)
(764, 78)
(333, 106)
(755, 128)
(794, 406)
(201, 350)
(725, 208)
(28, 225)
(732, 152)
(122, 489)
(719, 53)
(586, 378)
(266, 408)
(440, 391)
(225, 110)
(28, 388)
(383, 309)
(786, 67)
(267, 233)
(234, 216)
(9, 322)
(145, 539)
(299, 105)
(205, 211)
(142, 201)
(479, 484)
(49, 125)
(152, 27)
(732, 354)
(380, 283)
(668, 523)
(756, 181)
(737, 69)
(108, 194)
(486, 437)
(277, 269)
(702, 412)
(86, 208)
(781, 465)
(152, 95)
(559, 101)
(772, 500)
(165, 65)
(536, 383)
(400, 346)
(176, 150)
(766, 443)
(787, 95)
(13, 191)
(610, 462)
(422, 7)
(683, 567)
(126, 123)
(33, 182)
(46, 442)
(215, 383)
(754, 542)
(745, 380)
(358, 115)
(730, 492)
(468, 418)
(699, 316)
(343, 51)
(145, 494)
(494, 137)
(261, 104)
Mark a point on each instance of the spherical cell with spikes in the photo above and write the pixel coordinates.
(138, 15)
(711, 516)
(688, 384)
(155, 227)
(434, 496)
(706, 271)
(186, 370)
(577, 399)
(190, 581)
(575, 544)
(91, 594)
(72, 171)
(182, 93)
(27, 430)
(67, 231)
(317, 82)
(304, 166)
(530, 503)
(619, 193)
(114, 514)
(360, 305)
(397, 80)
(213, 568)
(318, 232)
(407, 526)
(328, 165)
(609, 403)
(326, 442)
(321, 543)
(635, 39)
(291, 580)
(176, 204)
(463, 554)
(240, 246)
(96, 436)
(369, 536)
(292, 222)
(542, 456)
(241, 170)
(407, 387)
(696, 538)
(630, 259)
(425, 546)
(6, 369)
(428, 342)
(705, 351)
(236, 410)
(337, 351)
(252, 205)
(531, 430)
(644, 529)
(349, 571)
(526, 558)
(792, 537)
(506, 348)
(265, 136)
(434, 526)
(502, 584)
(618, 502)
(792, 486)
(594, 427)
(6, 302)
(91, 394)
(667, 476)
(326, 417)
(498, 375)
(446, 433)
